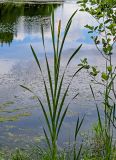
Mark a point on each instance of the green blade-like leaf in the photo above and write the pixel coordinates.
(112, 80)
(52, 31)
(64, 96)
(72, 56)
(42, 32)
(66, 31)
(50, 78)
(73, 99)
(57, 97)
(48, 100)
(47, 139)
(58, 36)
(98, 113)
(48, 69)
(46, 117)
(61, 104)
(79, 153)
(27, 89)
(72, 16)
(63, 40)
(61, 121)
(35, 56)
(62, 43)
(43, 109)
(78, 126)
(77, 71)
(46, 91)
(114, 112)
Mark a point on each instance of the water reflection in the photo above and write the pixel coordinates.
(12, 15)
(20, 24)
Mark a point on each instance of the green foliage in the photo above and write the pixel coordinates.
(104, 38)
(77, 155)
(84, 64)
(19, 155)
(104, 12)
(94, 71)
(105, 76)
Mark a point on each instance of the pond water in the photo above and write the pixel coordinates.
(21, 119)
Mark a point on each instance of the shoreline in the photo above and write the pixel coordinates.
(33, 1)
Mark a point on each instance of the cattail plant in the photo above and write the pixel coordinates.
(55, 100)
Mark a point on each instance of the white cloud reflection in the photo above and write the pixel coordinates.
(63, 12)
(6, 65)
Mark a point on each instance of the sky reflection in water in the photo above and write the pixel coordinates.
(20, 27)
(25, 30)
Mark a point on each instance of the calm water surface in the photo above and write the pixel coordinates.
(21, 119)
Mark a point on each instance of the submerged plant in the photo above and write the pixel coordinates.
(57, 111)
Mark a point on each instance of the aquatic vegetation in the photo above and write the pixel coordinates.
(14, 110)
(19, 155)
(14, 117)
(56, 113)
(6, 104)
(101, 144)
(39, 139)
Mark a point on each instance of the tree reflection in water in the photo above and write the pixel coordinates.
(33, 15)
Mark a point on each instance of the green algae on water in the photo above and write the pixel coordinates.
(6, 104)
(15, 117)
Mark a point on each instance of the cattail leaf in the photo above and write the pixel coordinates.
(61, 104)
(98, 113)
(26, 88)
(78, 126)
(47, 139)
(79, 152)
(61, 121)
(43, 109)
(48, 100)
(35, 56)
(75, 52)
(49, 76)
(42, 32)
